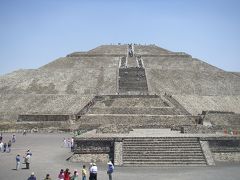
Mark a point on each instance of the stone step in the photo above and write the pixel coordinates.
(153, 111)
(149, 164)
(226, 149)
(200, 161)
(166, 143)
(176, 149)
(165, 153)
(162, 151)
(129, 71)
(133, 78)
(161, 142)
(132, 87)
(144, 145)
(165, 159)
(132, 81)
(160, 146)
(163, 156)
(157, 139)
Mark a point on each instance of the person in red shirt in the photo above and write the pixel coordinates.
(67, 174)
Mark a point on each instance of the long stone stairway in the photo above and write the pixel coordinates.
(163, 151)
(132, 77)
(132, 80)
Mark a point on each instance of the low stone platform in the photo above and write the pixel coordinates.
(151, 147)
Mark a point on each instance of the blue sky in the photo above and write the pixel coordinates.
(35, 32)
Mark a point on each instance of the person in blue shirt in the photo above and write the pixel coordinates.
(32, 177)
(110, 170)
(18, 162)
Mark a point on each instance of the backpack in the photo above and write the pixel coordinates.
(110, 169)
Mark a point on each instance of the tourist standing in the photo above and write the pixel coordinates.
(84, 173)
(24, 132)
(67, 174)
(27, 161)
(4, 147)
(9, 145)
(110, 170)
(93, 172)
(72, 144)
(1, 137)
(13, 138)
(18, 162)
(32, 177)
(64, 142)
(75, 176)
(47, 177)
(29, 152)
(1, 146)
(61, 175)
(69, 143)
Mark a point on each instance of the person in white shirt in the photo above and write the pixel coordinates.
(1, 146)
(93, 172)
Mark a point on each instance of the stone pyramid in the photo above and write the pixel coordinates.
(64, 86)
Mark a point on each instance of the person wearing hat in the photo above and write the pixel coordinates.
(27, 161)
(32, 177)
(93, 172)
(110, 170)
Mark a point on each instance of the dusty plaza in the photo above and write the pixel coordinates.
(154, 113)
(49, 157)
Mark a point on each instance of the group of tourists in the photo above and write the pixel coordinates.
(26, 158)
(68, 143)
(91, 172)
(67, 175)
(33, 177)
(6, 147)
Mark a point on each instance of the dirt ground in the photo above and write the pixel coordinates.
(49, 156)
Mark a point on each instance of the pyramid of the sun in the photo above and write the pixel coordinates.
(66, 85)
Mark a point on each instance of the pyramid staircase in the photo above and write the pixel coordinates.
(163, 151)
(132, 77)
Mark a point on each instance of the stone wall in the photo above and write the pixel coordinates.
(224, 148)
(47, 117)
(87, 158)
(99, 147)
(118, 153)
(198, 129)
(139, 121)
(227, 157)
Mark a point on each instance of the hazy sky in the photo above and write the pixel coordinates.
(35, 32)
